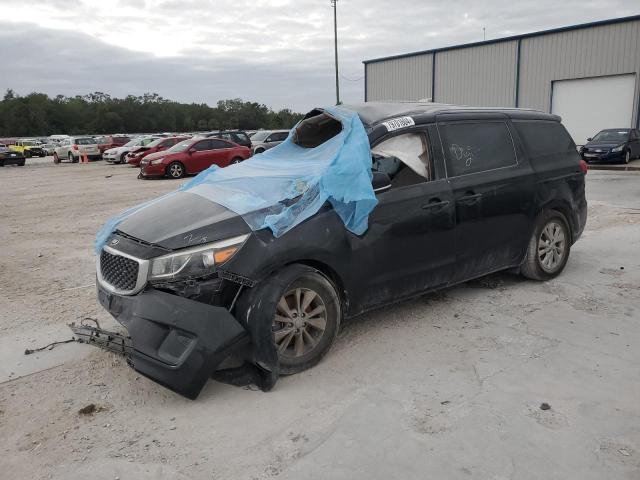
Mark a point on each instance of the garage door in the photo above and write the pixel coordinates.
(589, 105)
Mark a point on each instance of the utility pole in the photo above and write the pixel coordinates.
(484, 33)
(334, 4)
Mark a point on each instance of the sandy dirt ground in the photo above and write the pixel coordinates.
(446, 386)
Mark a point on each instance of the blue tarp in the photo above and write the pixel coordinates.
(262, 189)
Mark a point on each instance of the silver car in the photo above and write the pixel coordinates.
(266, 139)
(74, 148)
(119, 154)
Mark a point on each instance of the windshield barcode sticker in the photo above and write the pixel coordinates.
(400, 122)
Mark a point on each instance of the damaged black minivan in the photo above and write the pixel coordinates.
(462, 192)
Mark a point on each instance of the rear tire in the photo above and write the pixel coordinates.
(27, 154)
(549, 247)
(56, 158)
(21, 163)
(175, 170)
(258, 150)
(72, 159)
(236, 160)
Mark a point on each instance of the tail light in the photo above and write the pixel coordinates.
(584, 167)
(75, 147)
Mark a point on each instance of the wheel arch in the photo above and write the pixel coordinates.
(565, 209)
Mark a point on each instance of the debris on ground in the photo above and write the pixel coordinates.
(545, 406)
(90, 409)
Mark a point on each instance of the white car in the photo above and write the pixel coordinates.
(73, 148)
(118, 154)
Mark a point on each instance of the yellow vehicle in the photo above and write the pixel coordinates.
(28, 148)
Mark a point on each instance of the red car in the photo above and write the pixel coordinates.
(111, 141)
(135, 156)
(192, 156)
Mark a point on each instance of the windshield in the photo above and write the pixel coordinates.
(611, 136)
(85, 141)
(29, 143)
(147, 141)
(180, 147)
(259, 136)
(133, 143)
(156, 142)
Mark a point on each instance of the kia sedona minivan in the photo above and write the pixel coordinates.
(462, 192)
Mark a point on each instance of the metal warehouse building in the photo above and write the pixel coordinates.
(588, 74)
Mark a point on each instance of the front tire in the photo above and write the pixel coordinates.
(627, 157)
(305, 318)
(123, 158)
(27, 154)
(549, 247)
(236, 160)
(175, 170)
(72, 159)
(56, 158)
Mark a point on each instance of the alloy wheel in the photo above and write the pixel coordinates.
(175, 170)
(627, 157)
(299, 323)
(551, 246)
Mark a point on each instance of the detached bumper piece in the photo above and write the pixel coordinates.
(175, 341)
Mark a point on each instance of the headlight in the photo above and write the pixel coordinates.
(156, 161)
(618, 148)
(195, 262)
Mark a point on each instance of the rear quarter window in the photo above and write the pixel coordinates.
(547, 144)
(472, 147)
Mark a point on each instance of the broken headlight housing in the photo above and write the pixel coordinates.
(194, 262)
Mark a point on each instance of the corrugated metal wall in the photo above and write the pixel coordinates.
(602, 50)
(401, 79)
(485, 75)
(482, 76)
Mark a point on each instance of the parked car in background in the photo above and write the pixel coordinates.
(119, 154)
(10, 157)
(158, 145)
(612, 145)
(192, 156)
(112, 141)
(73, 148)
(266, 139)
(29, 148)
(235, 136)
(49, 148)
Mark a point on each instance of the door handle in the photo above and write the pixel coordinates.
(469, 198)
(435, 203)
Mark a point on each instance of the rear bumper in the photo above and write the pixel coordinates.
(176, 342)
(133, 161)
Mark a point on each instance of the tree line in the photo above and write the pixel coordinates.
(37, 114)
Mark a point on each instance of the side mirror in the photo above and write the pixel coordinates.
(380, 182)
(589, 139)
(192, 150)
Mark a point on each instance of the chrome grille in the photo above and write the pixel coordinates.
(118, 271)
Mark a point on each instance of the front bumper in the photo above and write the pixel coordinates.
(133, 161)
(604, 157)
(176, 342)
(148, 170)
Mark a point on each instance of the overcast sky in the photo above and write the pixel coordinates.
(277, 52)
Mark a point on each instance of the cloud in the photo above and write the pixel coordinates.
(279, 52)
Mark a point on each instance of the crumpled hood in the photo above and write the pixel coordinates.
(182, 220)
